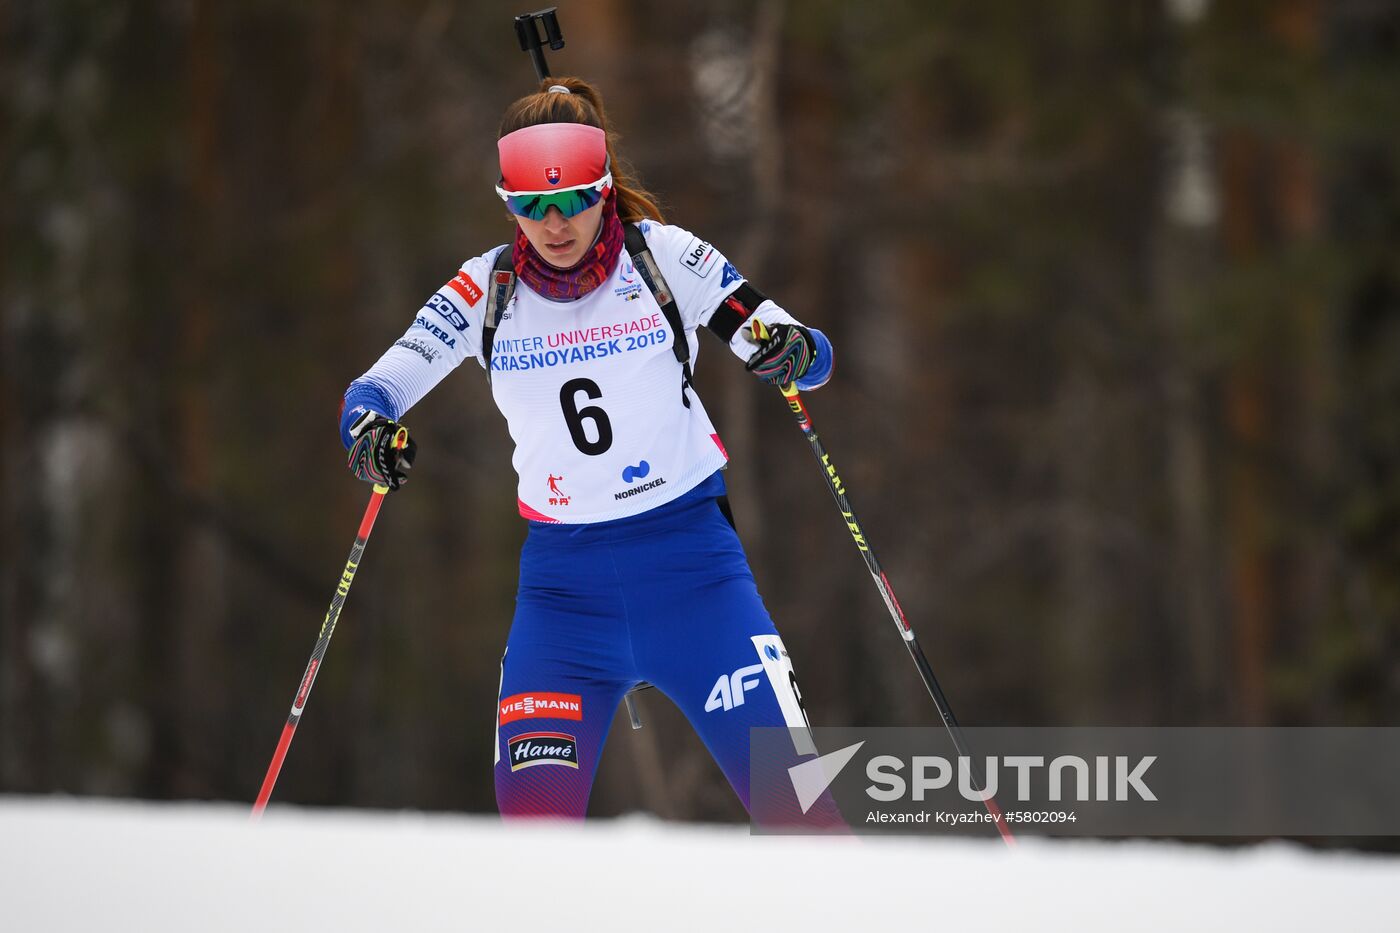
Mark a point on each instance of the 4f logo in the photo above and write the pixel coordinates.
(728, 692)
(729, 274)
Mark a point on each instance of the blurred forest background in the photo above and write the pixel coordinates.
(1114, 287)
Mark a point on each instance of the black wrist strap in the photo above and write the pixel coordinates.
(734, 310)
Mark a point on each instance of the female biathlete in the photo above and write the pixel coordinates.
(630, 572)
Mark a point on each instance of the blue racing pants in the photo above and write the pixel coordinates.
(665, 597)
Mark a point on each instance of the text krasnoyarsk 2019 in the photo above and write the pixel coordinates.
(1121, 781)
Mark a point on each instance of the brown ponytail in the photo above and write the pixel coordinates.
(583, 105)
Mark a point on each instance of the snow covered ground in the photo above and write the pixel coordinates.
(114, 866)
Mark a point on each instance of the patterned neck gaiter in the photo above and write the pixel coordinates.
(587, 274)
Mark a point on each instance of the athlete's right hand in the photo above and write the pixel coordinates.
(381, 451)
(785, 352)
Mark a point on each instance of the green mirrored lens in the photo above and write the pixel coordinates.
(569, 203)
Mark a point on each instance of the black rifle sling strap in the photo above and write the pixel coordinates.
(498, 297)
(503, 288)
(656, 283)
(727, 319)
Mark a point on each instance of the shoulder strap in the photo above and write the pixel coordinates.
(645, 264)
(497, 299)
(503, 287)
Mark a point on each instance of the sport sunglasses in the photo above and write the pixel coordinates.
(533, 205)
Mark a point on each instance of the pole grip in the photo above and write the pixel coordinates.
(759, 331)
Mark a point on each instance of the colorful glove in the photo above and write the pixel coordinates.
(381, 452)
(785, 356)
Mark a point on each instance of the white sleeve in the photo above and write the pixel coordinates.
(701, 278)
(698, 274)
(445, 331)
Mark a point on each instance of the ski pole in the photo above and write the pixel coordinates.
(882, 583)
(323, 640)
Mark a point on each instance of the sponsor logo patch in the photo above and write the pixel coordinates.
(463, 285)
(557, 496)
(443, 336)
(541, 706)
(728, 275)
(778, 666)
(640, 471)
(418, 346)
(543, 748)
(728, 691)
(637, 490)
(440, 303)
(699, 257)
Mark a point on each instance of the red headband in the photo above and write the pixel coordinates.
(552, 157)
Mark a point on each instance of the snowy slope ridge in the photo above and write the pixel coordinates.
(104, 865)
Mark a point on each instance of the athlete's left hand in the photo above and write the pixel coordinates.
(785, 355)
